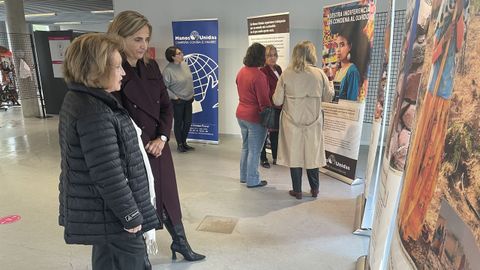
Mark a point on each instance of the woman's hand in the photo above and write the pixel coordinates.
(155, 147)
(134, 230)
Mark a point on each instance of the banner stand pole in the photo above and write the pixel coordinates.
(352, 182)
(359, 228)
(361, 263)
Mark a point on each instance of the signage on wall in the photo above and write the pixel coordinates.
(58, 46)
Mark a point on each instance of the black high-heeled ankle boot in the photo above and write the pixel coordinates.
(180, 243)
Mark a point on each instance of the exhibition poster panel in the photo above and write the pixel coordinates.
(402, 122)
(342, 133)
(387, 191)
(58, 45)
(372, 153)
(379, 109)
(198, 39)
(438, 221)
(347, 43)
(272, 29)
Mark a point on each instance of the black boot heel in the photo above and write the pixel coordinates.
(184, 248)
(174, 255)
(179, 243)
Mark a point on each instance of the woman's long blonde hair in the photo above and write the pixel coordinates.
(304, 54)
(127, 23)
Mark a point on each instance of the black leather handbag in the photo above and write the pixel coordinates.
(270, 117)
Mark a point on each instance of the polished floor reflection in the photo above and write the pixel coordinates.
(271, 230)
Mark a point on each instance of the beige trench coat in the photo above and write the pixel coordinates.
(300, 141)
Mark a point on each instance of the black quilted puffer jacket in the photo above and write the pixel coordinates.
(103, 182)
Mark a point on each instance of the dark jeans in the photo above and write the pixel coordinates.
(182, 115)
(122, 254)
(273, 135)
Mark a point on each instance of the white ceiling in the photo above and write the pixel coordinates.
(66, 10)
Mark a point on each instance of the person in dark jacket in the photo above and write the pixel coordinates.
(273, 72)
(104, 190)
(145, 97)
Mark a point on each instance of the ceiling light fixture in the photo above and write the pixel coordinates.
(102, 11)
(58, 23)
(40, 15)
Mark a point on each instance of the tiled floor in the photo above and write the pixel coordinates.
(272, 229)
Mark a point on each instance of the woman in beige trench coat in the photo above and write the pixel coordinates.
(301, 89)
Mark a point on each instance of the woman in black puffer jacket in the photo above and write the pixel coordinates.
(104, 190)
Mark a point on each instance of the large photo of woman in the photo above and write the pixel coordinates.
(348, 34)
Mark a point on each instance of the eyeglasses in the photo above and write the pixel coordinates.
(179, 53)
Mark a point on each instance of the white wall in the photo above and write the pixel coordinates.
(305, 24)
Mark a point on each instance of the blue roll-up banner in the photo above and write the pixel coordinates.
(198, 39)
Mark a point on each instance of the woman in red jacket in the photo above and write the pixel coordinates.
(145, 97)
(273, 72)
(253, 97)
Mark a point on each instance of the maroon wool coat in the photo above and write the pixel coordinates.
(272, 84)
(272, 79)
(145, 97)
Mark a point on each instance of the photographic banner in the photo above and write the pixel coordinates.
(198, 39)
(272, 29)
(347, 43)
(438, 221)
(58, 46)
(402, 123)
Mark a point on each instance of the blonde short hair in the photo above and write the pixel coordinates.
(88, 59)
(269, 48)
(127, 23)
(304, 54)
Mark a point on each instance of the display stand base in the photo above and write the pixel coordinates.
(356, 181)
(203, 141)
(358, 227)
(361, 263)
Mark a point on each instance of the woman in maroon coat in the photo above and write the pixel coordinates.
(273, 72)
(145, 97)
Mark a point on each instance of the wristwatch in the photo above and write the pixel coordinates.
(163, 138)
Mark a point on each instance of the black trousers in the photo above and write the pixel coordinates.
(123, 254)
(182, 115)
(273, 135)
(296, 174)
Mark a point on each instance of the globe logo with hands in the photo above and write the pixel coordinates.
(194, 35)
(205, 79)
(331, 159)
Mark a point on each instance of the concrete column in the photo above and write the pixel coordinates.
(3, 27)
(21, 47)
(3, 35)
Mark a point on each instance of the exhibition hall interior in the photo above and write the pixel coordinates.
(316, 134)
